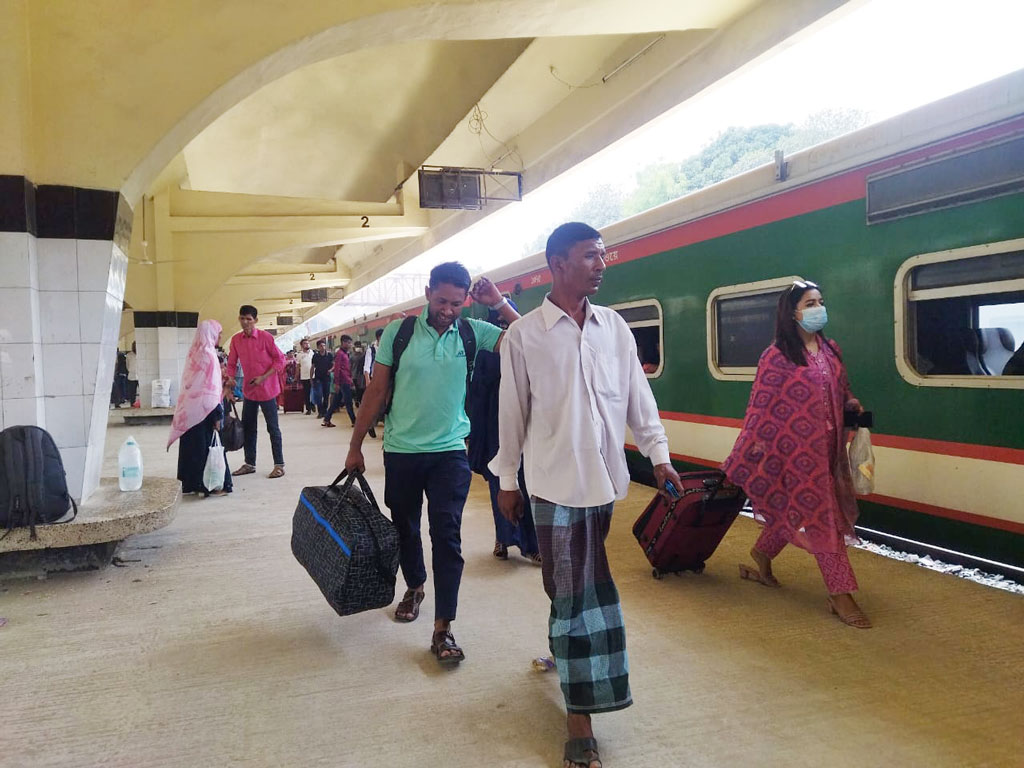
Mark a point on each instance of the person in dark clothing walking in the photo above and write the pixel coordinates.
(323, 361)
(483, 446)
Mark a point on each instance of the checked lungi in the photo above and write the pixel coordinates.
(586, 631)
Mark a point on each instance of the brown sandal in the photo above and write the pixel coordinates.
(444, 642)
(500, 551)
(278, 471)
(409, 608)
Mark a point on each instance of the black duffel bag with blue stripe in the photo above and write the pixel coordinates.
(349, 548)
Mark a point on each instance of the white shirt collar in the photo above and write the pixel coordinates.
(553, 313)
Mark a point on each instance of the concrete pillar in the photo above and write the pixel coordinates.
(162, 340)
(62, 280)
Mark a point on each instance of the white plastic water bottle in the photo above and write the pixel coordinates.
(129, 466)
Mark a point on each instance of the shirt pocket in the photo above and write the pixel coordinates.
(606, 377)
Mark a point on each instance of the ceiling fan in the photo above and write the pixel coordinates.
(146, 261)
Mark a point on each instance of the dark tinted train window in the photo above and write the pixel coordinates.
(645, 321)
(965, 272)
(977, 173)
(744, 326)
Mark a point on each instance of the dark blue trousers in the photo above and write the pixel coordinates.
(444, 479)
(342, 397)
(523, 535)
(269, 408)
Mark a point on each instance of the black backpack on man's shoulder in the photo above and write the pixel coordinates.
(33, 486)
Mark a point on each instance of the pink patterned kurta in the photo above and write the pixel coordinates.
(790, 457)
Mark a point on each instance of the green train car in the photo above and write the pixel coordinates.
(914, 228)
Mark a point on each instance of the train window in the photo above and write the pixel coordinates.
(741, 324)
(960, 317)
(644, 319)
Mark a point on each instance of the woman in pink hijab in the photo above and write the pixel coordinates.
(199, 410)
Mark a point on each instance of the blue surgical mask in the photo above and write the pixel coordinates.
(814, 319)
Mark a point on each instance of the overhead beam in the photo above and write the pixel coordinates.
(187, 202)
(412, 224)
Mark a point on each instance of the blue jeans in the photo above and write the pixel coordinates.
(343, 395)
(444, 478)
(269, 408)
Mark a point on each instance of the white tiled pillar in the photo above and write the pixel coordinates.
(162, 341)
(21, 363)
(81, 291)
(62, 281)
(147, 363)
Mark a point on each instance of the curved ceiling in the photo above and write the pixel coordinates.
(299, 154)
(342, 129)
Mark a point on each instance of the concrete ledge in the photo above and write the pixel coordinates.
(109, 515)
(145, 415)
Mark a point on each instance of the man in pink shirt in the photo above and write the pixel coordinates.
(262, 364)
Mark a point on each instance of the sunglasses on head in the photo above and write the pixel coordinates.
(803, 284)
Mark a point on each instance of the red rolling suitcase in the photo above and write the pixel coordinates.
(293, 400)
(681, 534)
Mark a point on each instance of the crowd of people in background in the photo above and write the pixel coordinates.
(543, 402)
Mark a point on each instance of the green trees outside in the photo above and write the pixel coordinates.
(734, 151)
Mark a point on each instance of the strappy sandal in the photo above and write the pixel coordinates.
(534, 558)
(443, 641)
(278, 471)
(753, 574)
(409, 608)
(856, 618)
(582, 753)
(500, 551)
(245, 469)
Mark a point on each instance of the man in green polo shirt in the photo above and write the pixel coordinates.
(424, 439)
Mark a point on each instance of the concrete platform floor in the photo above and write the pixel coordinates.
(215, 649)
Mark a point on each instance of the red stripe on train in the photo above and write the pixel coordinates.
(919, 444)
(952, 514)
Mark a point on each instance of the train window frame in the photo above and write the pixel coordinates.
(904, 294)
(737, 291)
(660, 323)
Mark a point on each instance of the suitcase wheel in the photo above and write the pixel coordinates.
(657, 574)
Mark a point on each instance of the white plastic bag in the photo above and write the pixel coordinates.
(161, 393)
(216, 466)
(862, 463)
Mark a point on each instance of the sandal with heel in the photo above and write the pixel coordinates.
(753, 574)
(855, 618)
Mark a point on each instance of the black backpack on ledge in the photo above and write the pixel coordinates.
(33, 487)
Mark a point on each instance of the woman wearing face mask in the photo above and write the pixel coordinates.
(790, 457)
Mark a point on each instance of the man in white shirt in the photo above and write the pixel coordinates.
(570, 383)
(368, 364)
(133, 375)
(305, 359)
